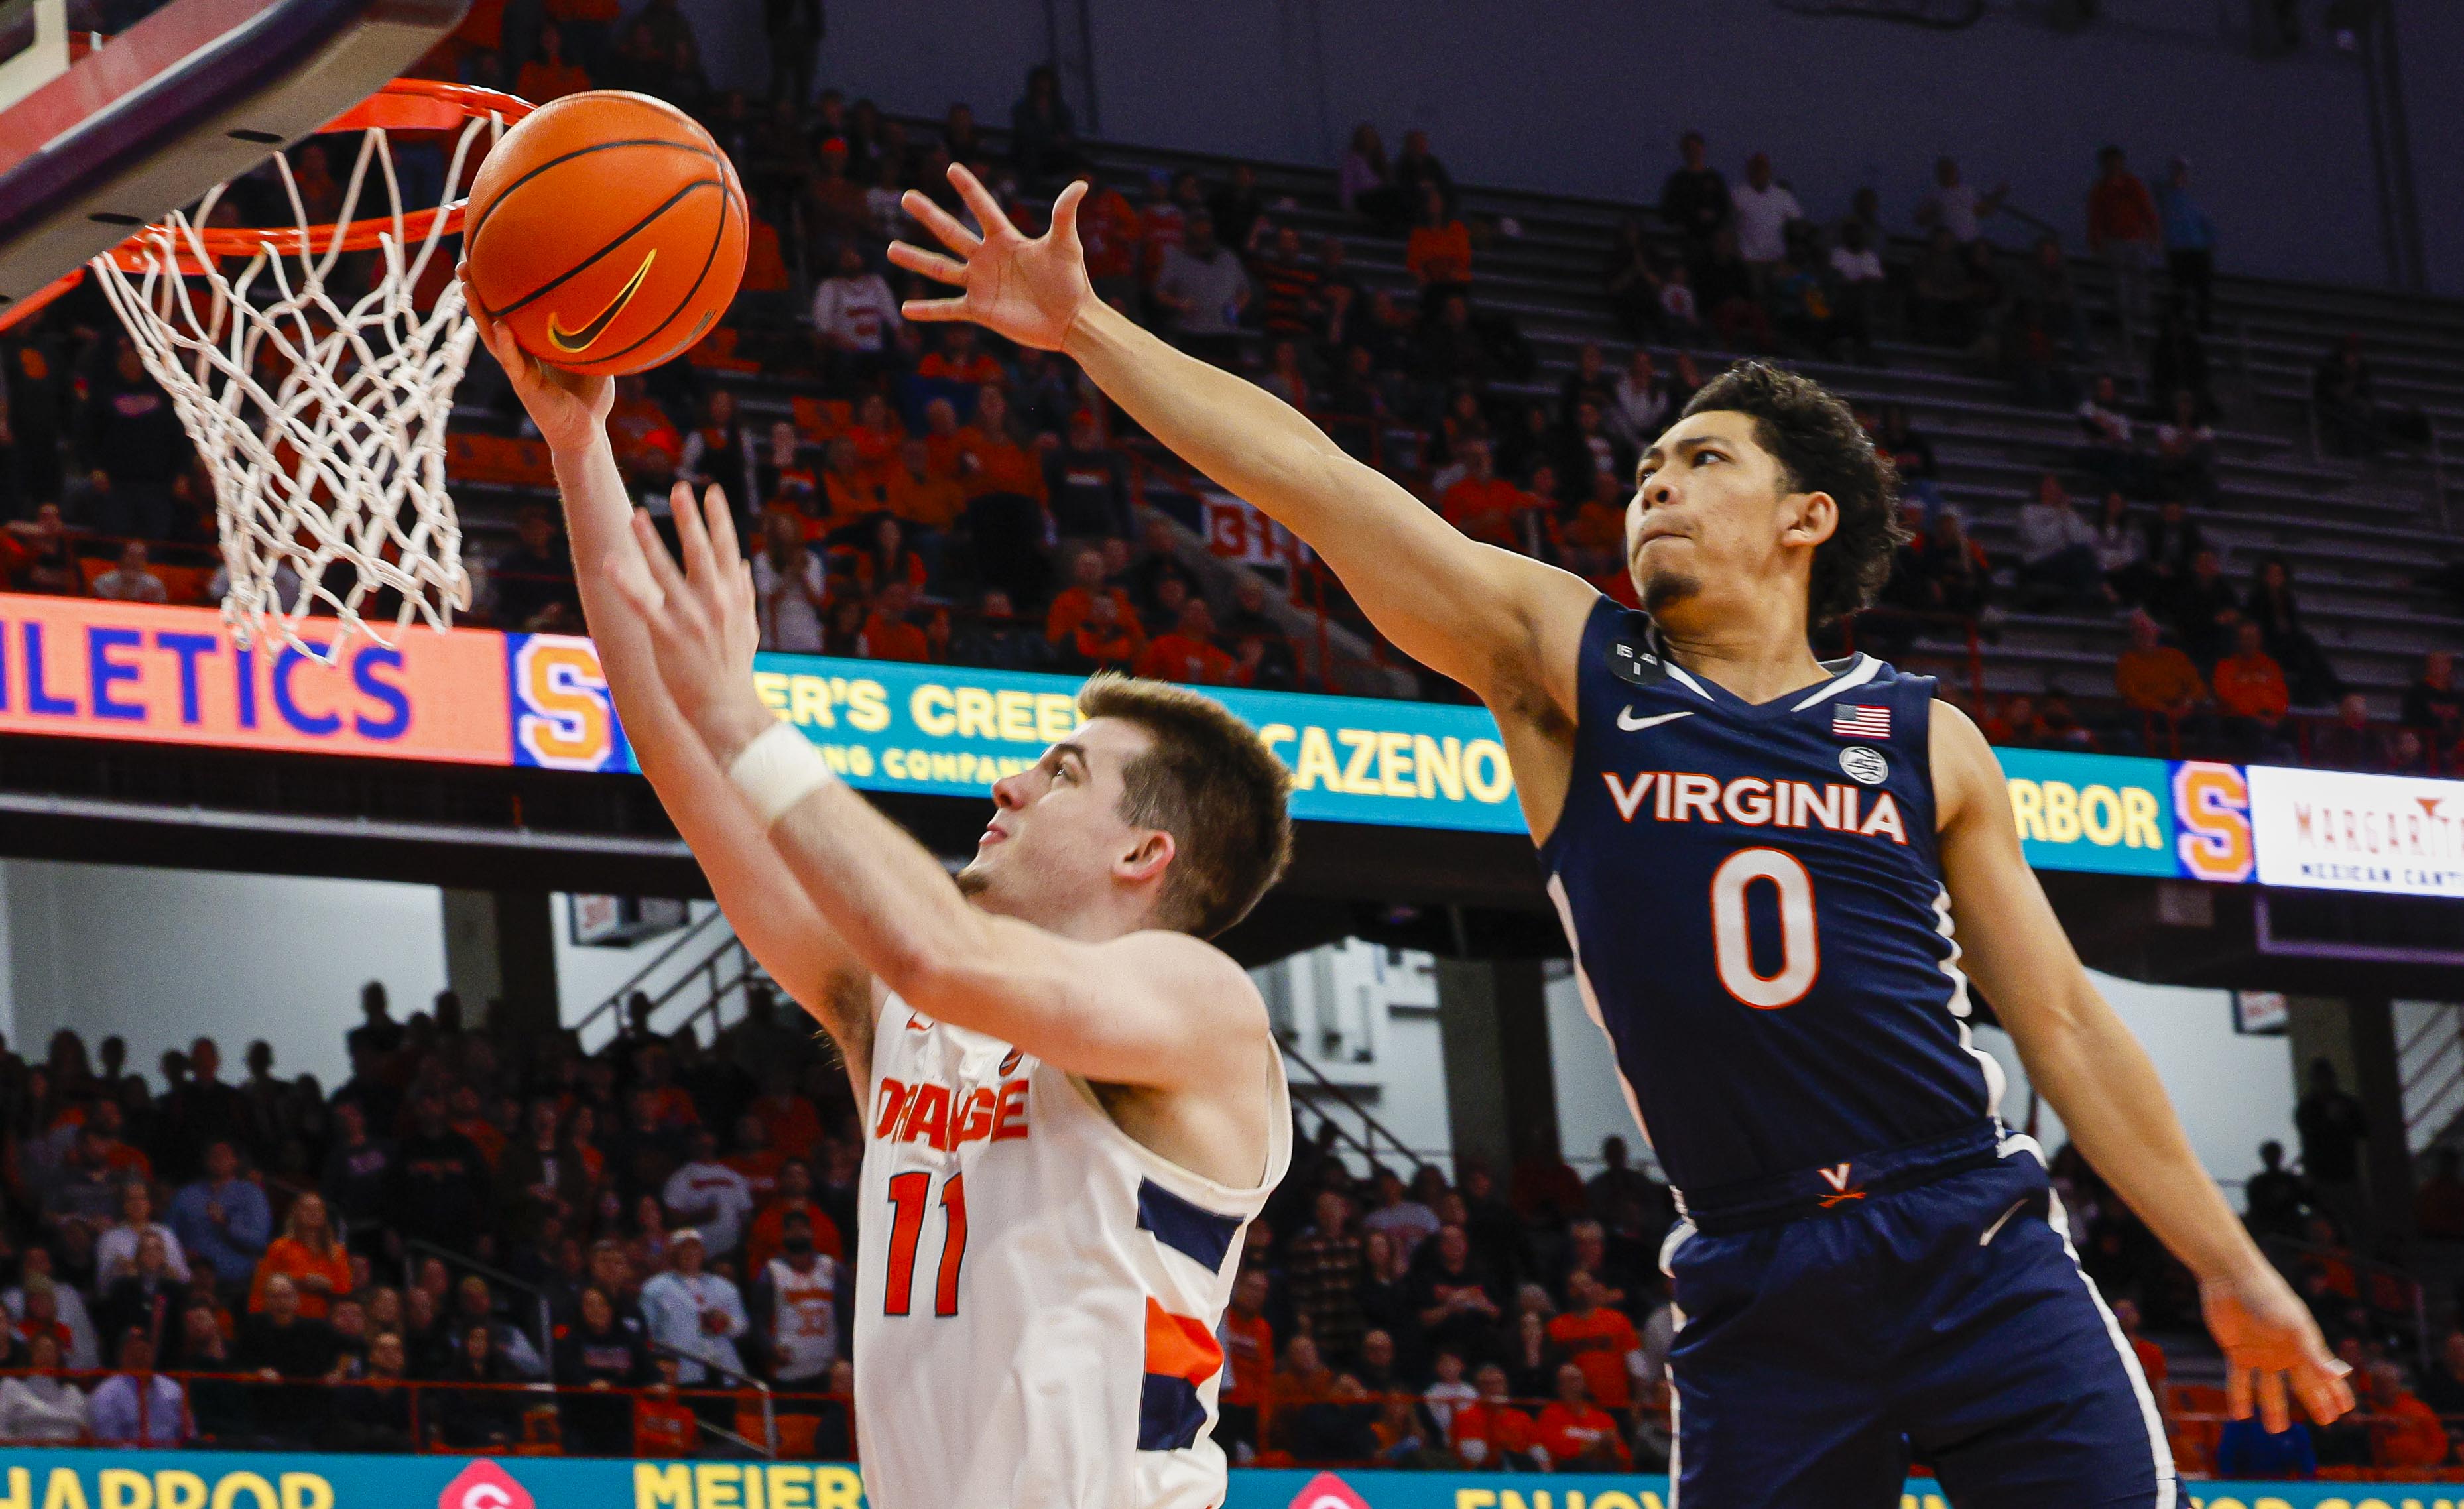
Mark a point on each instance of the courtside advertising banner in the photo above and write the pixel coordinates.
(184, 1479)
(86, 669)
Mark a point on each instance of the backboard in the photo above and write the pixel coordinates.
(99, 136)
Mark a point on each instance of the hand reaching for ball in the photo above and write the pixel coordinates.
(1028, 291)
(569, 409)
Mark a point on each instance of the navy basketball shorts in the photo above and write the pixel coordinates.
(1924, 1303)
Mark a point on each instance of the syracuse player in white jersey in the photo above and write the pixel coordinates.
(1074, 1105)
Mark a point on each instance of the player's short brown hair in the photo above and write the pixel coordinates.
(1210, 782)
(1820, 448)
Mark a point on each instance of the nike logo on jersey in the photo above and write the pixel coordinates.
(1987, 1239)
(1627, 721)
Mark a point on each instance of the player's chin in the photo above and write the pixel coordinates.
(1662, 587)
(975, 878)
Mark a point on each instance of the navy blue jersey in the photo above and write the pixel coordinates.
(1755, 903)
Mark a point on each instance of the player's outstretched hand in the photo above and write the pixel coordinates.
(569, 409)
(1025, 290)
(703, 627)
(2269, 1340)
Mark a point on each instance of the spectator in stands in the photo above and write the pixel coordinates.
(2190, 245)
(2204, 610)
(1323, 1270)
(1439, 252)
(1089, 484)
(1489, 1431)
(1586, 448)
(1599, 1341)
(1638, 406)
(2344, 395)
(1938, 292)
(2405, 1437)
(2185, 453)
(532, 580)
(1364, 181)
(1187, 652)
(2272, 605)
(2058, 561)
(1288, 281)
(2349, 742)
(1043, 132)
(1204, 287)
(2247, 1450)
(2121, 551)
(1856, 282)
(995, 638)
(2156, 680)
(1955, 206)
(2047, 300)
(2274, 1197)
(475, 1412)
(308, 1254)
(1240, 210)
(40, 1408)
(549, 75)
(1578, 1434)
(708, 1196)
(138, 1406)
(114, 1249)
(44, 561)
(1631, 277)
(601, 1355)
(1730, 300)
(131, 579)
(2108, 450)
(132, 447)
(855, 319)
(2333, 1126)
(789, 591)
(444, 1192)
(222, 1219)
(146, 1296)
(2434, 704)
(1486, 506)
(2250, 693)
(1694, 200)
(1957, 576)
(279, 1343)
(2124, 228)
(1762, 211)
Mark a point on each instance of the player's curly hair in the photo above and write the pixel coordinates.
(1211, 783)
(1820, 448)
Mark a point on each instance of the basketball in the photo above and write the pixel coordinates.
(608, 231)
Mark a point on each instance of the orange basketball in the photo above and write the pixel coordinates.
(608, 231)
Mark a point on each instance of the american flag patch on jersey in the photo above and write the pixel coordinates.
(1862, 723)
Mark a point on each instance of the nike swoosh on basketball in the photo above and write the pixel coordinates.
(574, 341)
(1627, 721)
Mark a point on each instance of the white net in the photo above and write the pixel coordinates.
(323, 425)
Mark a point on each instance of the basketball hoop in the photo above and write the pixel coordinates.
(323, 425)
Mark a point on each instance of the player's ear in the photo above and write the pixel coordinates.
(1148, 854)
(1810, 519)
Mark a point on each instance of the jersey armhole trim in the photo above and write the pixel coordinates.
(1196, 1185)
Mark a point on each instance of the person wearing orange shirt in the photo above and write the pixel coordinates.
(852, 493)
(2154, 677)
(1599, 1341)
(1073, 604)
(959, 360)
(2406, 1435)
(1188, 654)
(470, 1118)
(2152, 1361)
(1490, 1432)
(2250, 685)
(1248, 1360)
(921, 496)
(788, 1120)
(550, 75)
(943, 445)
(1107, 639)
(877, 435)
(991, 459)
(1439, 252)
(888, 632)
(309, 1255)
(1577, 1434)
(664, 1426)
(1110, 230)
(755, 1158)
(1484, 505)
(766, 1239)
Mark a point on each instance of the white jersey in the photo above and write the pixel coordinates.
(1037, 1295)
(804, 1317)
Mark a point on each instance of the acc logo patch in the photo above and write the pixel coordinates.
(1865, 765)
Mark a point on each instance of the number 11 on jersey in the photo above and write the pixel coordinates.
(909, 1194)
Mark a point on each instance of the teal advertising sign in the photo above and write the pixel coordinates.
(2092, 812)
(178, 1479)
(953, 730)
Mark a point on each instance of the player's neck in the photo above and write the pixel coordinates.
(1754, 656)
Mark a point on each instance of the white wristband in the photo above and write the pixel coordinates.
(778, 770)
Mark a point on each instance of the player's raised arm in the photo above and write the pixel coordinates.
(2101, 1082)
(1492, 619)
(768, 910)
(1149, 1008)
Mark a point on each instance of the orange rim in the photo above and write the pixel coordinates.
(406, 105)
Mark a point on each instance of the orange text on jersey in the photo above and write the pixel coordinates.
(947, 1119)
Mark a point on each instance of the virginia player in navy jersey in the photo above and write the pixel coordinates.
(1778, 876)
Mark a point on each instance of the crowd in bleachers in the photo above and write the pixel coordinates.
(485, 1240)
(933, 494)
